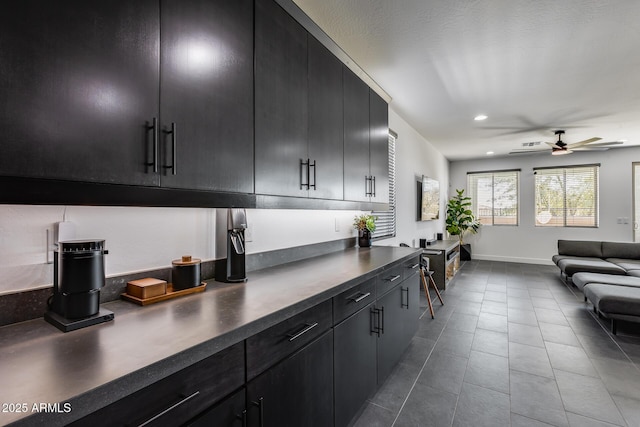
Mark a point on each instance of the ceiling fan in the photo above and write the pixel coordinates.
(560, 147)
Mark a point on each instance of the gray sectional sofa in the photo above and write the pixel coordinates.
(608, 273)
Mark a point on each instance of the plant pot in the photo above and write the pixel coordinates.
(465, 252)
(364, 238)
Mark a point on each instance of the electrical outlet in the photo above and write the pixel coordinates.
(248, 234)
(619, 220)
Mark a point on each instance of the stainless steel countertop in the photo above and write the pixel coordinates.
(93, 367)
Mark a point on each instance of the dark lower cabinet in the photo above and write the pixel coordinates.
(231, 412)
(399, 310)
(296, 392)
(177, 398)
(355, 364)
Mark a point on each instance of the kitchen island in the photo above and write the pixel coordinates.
(77, 373)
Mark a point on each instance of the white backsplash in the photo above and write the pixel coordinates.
(148, 238)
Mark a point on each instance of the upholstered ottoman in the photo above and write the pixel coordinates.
(614, 302)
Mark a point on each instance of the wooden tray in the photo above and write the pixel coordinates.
(169, 295)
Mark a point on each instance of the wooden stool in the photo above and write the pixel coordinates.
(423, 273)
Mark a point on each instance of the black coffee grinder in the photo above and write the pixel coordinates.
(78, 276)
(236, 224)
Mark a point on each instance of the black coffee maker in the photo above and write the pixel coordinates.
(78, 276)
(236, 224)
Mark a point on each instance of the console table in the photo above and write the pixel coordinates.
(444, 261)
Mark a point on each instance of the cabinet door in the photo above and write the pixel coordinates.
(280, 102)
(355, 364)
(379, 147)
(325, 122)
(177, 398)
(207, 95)
(79, 88)
(231, 412)
(411, 311)
(296, 392)
(392, 341)
(356, 138)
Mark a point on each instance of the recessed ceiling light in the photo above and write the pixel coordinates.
(490, 153)
(480, 117)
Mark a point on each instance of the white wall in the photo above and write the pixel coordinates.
(415, 157)
(529, 244)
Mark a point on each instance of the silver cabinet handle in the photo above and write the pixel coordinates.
(169, 409)
(360, 298)
(394, 278)
(414, 266)
(307, 328)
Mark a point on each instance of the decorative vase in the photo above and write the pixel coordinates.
(364, 238)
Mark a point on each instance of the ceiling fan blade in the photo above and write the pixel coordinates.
(581, 143)
(528, 151)
(552, 145)
(588, 148)
(606, 144)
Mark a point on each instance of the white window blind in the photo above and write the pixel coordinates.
(386, 224)
(567, 196)
(494, 196)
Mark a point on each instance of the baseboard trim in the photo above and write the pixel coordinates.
(538, 261)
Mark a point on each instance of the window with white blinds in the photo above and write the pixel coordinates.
(386, 224)
(494, 196)
(567, 196)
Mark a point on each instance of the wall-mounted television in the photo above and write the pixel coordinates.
(428, 195)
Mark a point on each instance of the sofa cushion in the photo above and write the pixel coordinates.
(627, 264)
(582, 279)
(621, 250)
(556, 258)
(613, 299)
(634, 273)
(571, 266)
(580, 248)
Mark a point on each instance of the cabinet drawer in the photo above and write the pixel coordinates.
(179, 397)
(388, 279)
(279, 341)
(352, 300)
(411, 267)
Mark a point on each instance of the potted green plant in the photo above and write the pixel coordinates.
(365, 224)
(460, 220)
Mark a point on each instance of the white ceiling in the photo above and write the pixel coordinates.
(531, 66)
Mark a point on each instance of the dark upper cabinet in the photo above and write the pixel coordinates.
(78, 89)
(366, 142)
(299, 114)
(357, 182)
(379, 147)
(281, 102)
(206, 89)
(325, 123)
(83, 84)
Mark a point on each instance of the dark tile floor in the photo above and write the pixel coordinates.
(513, 345)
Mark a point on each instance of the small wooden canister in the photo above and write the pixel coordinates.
(185, 273)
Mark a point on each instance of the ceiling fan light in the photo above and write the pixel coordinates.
(560, 152)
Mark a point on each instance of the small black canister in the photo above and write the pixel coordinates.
(185, 273)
